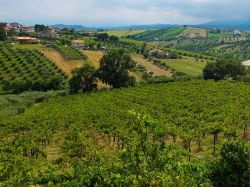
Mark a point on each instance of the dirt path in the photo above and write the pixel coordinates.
(151, 67)
(66, 65)
(94, 57)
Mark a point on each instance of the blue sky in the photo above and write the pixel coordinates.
(122, 12)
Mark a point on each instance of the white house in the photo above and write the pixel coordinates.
(246, 64)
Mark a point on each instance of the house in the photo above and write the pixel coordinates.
(3, 25)
(51, 32)
(236, 32)
(27, 29)
(78, 44)
(28, 40)
(15, 25)
(246, 64)
(157, 53)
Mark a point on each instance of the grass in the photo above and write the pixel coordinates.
(121, 33)
(29, 46)
(151, 67)
(12, 105)
(187, 65)
(25, 64)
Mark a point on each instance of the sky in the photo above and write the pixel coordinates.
(121, 12)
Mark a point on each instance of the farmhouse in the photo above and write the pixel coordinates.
(28, 40)
(78, 44)
(237, 32)
(246, 64)
(157, 53)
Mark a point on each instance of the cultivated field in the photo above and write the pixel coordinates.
(25, 65)
(194, 33)
(94, 57)
(151, 67)
(186, 65)
(121, 33)
(65, 65)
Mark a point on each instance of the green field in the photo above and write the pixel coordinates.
(160, 34)
(121, 33)
(187, 65)
(26, 65)
(68, 52)
(158, 133)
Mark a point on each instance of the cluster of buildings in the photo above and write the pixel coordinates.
(18, 29)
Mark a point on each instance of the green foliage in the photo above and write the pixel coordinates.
(233, 169)
(84, 79)
(23, 69)
(69, 52)
(103, 37)
(108, 139)
(223, 70)
(40, 28)
(161, 34)
(2, 34)
(114, 69)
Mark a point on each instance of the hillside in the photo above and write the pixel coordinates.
(161, 34)
(94, 130)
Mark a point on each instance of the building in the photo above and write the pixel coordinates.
(27, 29)
(236, 32)
(3, 25)
(28, 40)
(157, 53)
(78, 44)
(246, 64)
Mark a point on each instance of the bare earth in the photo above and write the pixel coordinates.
(66, 65)
(195, 32)
(151, 67)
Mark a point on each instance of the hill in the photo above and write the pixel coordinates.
(161, 34)
(77, 139)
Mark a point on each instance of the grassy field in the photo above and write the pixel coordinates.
(151, 67)
(187, 65)
(160, 34)
(195, 32)
(176, 129)
(65, 65)
(94, 57)
(121, 33)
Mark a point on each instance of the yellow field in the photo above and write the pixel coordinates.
(94, 57)
(65, 65)
(195, 32)
(151, 67)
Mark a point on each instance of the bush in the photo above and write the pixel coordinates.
(223, 70)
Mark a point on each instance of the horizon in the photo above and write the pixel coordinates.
(113, 13)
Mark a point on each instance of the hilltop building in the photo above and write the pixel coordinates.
(236, 32)
(78, 44)
(28, 40)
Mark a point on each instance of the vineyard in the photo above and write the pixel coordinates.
(69, 52)
(143, 136)
(161, 34)
(26, 65)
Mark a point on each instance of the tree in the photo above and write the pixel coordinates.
(103, 36)
(233, 168)
(114, 38)
(114, 69)
(40, 28)
(223, 70)
(83, 79)
(2, 34)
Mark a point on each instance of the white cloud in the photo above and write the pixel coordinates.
(121, 12)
